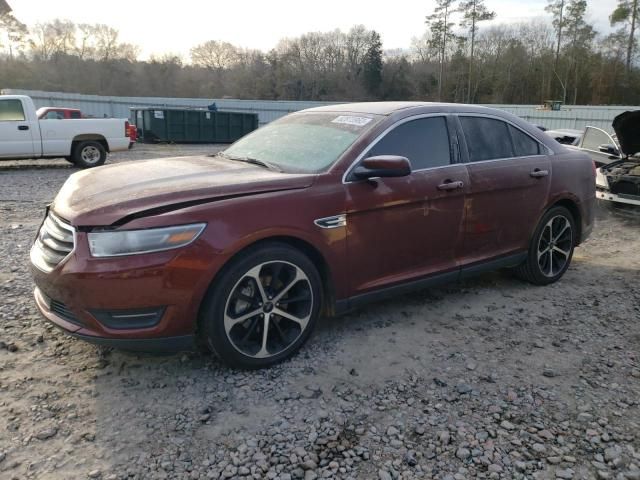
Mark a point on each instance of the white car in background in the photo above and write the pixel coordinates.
(619, 180)
(84, 142)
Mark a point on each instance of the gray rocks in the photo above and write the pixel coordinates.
(454, 383)
(46, 433)
(463, 453)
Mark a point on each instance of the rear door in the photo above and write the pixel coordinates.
(402, 229)
(15, 131)
(510, 174)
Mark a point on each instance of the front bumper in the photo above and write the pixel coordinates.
(75, 295)
(164, 344)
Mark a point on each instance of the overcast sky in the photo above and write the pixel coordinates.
(158, 28)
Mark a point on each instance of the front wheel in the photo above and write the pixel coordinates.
(263, 307)
(89, 154)
(551, 248)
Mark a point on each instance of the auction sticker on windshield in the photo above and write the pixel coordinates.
(351, 120)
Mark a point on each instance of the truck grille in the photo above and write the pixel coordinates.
(53, 244)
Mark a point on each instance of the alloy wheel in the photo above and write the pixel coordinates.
(554, 246)
(268, 309)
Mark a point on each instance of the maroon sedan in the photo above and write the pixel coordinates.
(314, 214)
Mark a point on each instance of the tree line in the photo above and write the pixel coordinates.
(457, 58)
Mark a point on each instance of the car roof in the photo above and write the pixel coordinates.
(389, 108)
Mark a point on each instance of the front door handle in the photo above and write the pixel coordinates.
(449, 185)
(23, 127)
(537, 173)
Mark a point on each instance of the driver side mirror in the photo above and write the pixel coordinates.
(609, 149)
(383, 166)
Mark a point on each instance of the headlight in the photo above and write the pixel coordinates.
(132, 242)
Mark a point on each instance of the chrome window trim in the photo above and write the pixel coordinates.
(62, 224)
(509, 122)
(385, 132)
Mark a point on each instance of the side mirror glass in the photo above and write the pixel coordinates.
(383, 166)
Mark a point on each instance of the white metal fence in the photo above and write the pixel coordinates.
(268, 110)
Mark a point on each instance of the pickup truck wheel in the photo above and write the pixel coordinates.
(551, 248)
(263, 307)
(89, 154)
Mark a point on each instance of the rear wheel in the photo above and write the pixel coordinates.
(89, 154)
(263, 307)
(551, 248)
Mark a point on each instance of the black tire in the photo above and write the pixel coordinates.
(535, 269)
(236, 289)
(89, 154)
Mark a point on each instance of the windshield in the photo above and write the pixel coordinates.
(303, 142)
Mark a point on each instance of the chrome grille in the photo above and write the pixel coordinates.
(53, 244)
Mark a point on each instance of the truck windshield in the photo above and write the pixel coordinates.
(305, 142)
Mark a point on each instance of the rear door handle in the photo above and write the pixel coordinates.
(449, 185)
(537, 173)
(23, 127)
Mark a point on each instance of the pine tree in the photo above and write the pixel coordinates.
(441, 27)
(627, 11)
(372, 65)
(473, 12)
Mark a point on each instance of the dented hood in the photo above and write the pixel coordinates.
(627, 128)
(108, 195)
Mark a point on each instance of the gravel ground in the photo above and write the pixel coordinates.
(490, 378)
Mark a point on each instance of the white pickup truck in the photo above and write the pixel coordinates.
(84, 142)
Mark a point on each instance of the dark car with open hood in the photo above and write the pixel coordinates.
(314, 214)
(619, 181)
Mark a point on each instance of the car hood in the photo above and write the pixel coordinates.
(111, 194)
(627, 128)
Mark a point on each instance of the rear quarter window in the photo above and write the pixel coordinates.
(523, 144)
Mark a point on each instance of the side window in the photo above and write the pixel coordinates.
(51, 115)
(425, 142)
(523, 144)
(594, 137)
(11, 111)
(75, 115)
(487, 138)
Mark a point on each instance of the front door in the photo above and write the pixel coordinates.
(510, 174)
(401, 229)
(15, 130)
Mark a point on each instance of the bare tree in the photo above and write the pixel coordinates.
(214, 55)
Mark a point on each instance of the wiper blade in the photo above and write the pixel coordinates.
(253, 161)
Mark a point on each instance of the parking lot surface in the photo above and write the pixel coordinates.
(489, 378)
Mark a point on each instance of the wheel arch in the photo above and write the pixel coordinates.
(312, 252)
(573, 207)
(94, 137)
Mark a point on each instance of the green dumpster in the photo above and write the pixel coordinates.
(191, 125)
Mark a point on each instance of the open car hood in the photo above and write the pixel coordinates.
(627, 128)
